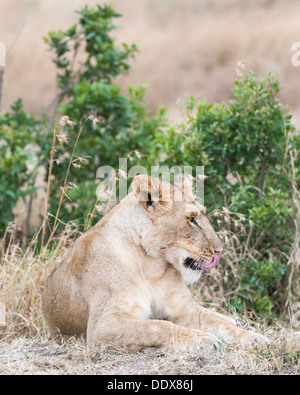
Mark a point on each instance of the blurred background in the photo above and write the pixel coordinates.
(186, 47)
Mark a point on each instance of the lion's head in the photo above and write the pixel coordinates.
(178, 230)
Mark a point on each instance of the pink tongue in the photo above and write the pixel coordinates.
(213, 263)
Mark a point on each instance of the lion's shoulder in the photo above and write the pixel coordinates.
(78, 258)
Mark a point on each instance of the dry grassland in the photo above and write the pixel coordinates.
(40, 356)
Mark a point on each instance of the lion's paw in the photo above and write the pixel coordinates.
(205, 342)
(251, 338)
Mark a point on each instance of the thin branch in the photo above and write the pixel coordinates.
(51, 104)
(52, 153)
(261, 180)
(64, 186)
(16, 38)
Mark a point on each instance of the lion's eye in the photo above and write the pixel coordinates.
(192, 220)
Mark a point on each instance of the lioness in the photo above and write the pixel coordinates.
(124, 281)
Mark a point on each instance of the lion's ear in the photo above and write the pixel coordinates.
(152, 194)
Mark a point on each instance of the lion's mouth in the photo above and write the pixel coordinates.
(201, 264)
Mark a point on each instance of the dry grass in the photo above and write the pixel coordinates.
(22, 277)
(41, 356)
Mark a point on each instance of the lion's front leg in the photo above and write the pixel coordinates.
(134, 334)
(185, 312)
(225, 329)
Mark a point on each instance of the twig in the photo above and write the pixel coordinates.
(16, 38)
(64, 186)
(51, 104)
(46, 205)
(261, 179)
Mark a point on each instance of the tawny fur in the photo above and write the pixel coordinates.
(124, 282)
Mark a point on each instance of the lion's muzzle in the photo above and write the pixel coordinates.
(201, 264)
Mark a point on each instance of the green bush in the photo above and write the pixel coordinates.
(89, 88)
(248, 147)
(19, 138)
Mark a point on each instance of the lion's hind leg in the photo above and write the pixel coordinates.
(65, 310)
(61, 338)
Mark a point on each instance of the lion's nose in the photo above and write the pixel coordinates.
(218, 247)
